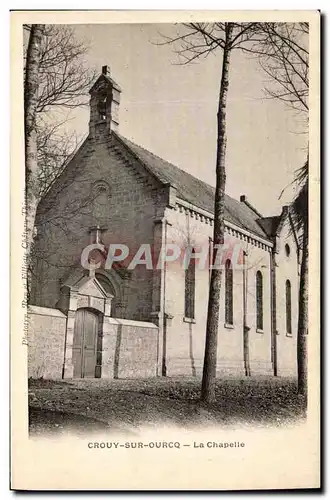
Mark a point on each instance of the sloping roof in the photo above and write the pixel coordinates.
(195, 191)
(270, 224)
(105, 79)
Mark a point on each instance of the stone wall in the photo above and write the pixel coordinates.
(286, 269)
(129, 349)
(186, 340)
(71, 208)
(46, 339)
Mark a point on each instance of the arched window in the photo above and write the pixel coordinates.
(102, 106)
(189, 288)
(229, 316)
(288, 307)
(259, 301)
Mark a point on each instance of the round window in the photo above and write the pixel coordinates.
(101, 192)
(287, 250)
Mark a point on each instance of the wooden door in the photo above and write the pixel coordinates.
(84, 343)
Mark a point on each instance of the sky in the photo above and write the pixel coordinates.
(171, 109)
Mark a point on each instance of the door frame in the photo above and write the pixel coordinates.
(97, 342)
(78, 295)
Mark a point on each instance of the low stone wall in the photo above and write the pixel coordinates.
(129, 349)
(46, 339)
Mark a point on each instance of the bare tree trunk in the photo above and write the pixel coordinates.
(211, 340)
(303, 317)
(30, 108)
(246, 329)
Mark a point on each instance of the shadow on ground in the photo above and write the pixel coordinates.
(55, 422)
(124, 405)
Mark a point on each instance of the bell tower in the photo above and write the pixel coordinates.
(104, 105)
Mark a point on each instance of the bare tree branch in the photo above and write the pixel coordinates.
(281, 48)
(283, 55)
(64, 81)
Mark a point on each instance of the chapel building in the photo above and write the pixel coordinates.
(147, 321)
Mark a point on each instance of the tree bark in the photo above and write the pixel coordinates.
(246, 329)
(31, 85)
(303, 317)
(211, 340)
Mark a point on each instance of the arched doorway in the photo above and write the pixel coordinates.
(85, 338)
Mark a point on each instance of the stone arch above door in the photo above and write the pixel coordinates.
(110, 281)
(86, 292)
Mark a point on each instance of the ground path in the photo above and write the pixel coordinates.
(126, 405)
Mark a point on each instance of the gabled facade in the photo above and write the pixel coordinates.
(116, 192)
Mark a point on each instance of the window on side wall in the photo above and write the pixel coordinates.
(190, 282)
(288, 307)
(259, 301)
(229, 313)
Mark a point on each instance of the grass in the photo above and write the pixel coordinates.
(125, 405)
